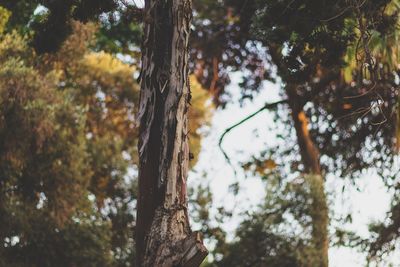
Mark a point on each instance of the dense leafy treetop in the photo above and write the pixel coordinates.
(50, 21)
(336, 56)
(45, 171)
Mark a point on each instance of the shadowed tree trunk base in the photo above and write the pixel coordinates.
(170, 242)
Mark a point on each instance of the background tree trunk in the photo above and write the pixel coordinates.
(313, 176)
(163, 235)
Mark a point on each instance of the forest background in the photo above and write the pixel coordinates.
(326, 75)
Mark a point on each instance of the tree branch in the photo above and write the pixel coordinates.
(266, 106)
(195, 251)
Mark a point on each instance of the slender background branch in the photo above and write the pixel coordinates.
(265, 107)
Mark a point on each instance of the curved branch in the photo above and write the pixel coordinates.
(266, 106)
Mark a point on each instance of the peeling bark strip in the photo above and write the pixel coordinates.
(163, 235)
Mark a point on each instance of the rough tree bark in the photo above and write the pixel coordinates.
(163, 234)
(313, 176)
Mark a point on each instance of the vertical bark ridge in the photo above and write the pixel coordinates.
(163, 234)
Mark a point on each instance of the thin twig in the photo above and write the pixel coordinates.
(336, 16)
(362, 94)
(266, 106)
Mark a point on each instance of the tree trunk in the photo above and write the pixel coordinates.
(313, 177)
(163, 235)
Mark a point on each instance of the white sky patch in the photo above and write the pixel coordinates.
(40, 10)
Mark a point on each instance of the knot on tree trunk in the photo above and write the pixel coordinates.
(174, 243)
